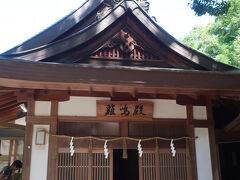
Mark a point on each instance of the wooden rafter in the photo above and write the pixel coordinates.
(12, 126)
(234, 125)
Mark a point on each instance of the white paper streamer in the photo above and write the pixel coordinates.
(173, 148)
(72, 147)
(106, 153)
(140, 151)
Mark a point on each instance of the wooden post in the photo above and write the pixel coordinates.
(111, 164)
(191, 163)
(27, 150)
(28, 137)
(212, 143)
(52, 158)
(89, 168)
(140, 168)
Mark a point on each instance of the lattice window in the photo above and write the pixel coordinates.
(82, 167)
(164, 168)
(100, 167)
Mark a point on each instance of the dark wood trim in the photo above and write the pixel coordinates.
(82, 119)
(41, 119)
(226, 137)
(200, 123)
(212, 143)
(94, 119)
(192, 162)
(52, 158)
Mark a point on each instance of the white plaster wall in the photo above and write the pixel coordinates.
(204, 167)
(42, 108)
(4, 147)
(79, 106)
(4, 150)
(39, 157)
(200, 112)
(167, 109)
(21, 121)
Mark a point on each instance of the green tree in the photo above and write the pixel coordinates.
(212, 7)
(220, 39)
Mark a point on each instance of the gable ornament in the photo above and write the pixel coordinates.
(110, 4)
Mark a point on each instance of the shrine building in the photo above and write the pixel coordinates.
(107, 94)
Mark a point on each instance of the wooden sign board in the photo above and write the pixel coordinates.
(118, 110)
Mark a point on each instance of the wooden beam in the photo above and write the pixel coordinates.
(11, 138)
(6, 95)
(191, 99)
(226, 137)
(9, 109)
(95, 119)
(12, 126)
(10, 104)
(7, 100)
(44, 95)
(233, 125)
(11, 118)
(7, 89)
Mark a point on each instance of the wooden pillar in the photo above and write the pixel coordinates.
(212, 141)
(28, 138)
(52, 156)
(140, 168)
(192, 163)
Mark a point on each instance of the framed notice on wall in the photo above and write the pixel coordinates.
(40, 137)
(135, 110)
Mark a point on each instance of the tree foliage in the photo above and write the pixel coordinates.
(220, 39)
(212, 7)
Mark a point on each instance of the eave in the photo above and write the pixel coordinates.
(36, 75)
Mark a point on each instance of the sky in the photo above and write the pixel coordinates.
(23, 19)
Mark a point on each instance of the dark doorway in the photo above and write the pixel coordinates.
(230, 161)
(125, 169)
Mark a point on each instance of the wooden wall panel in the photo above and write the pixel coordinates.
(89, 129)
